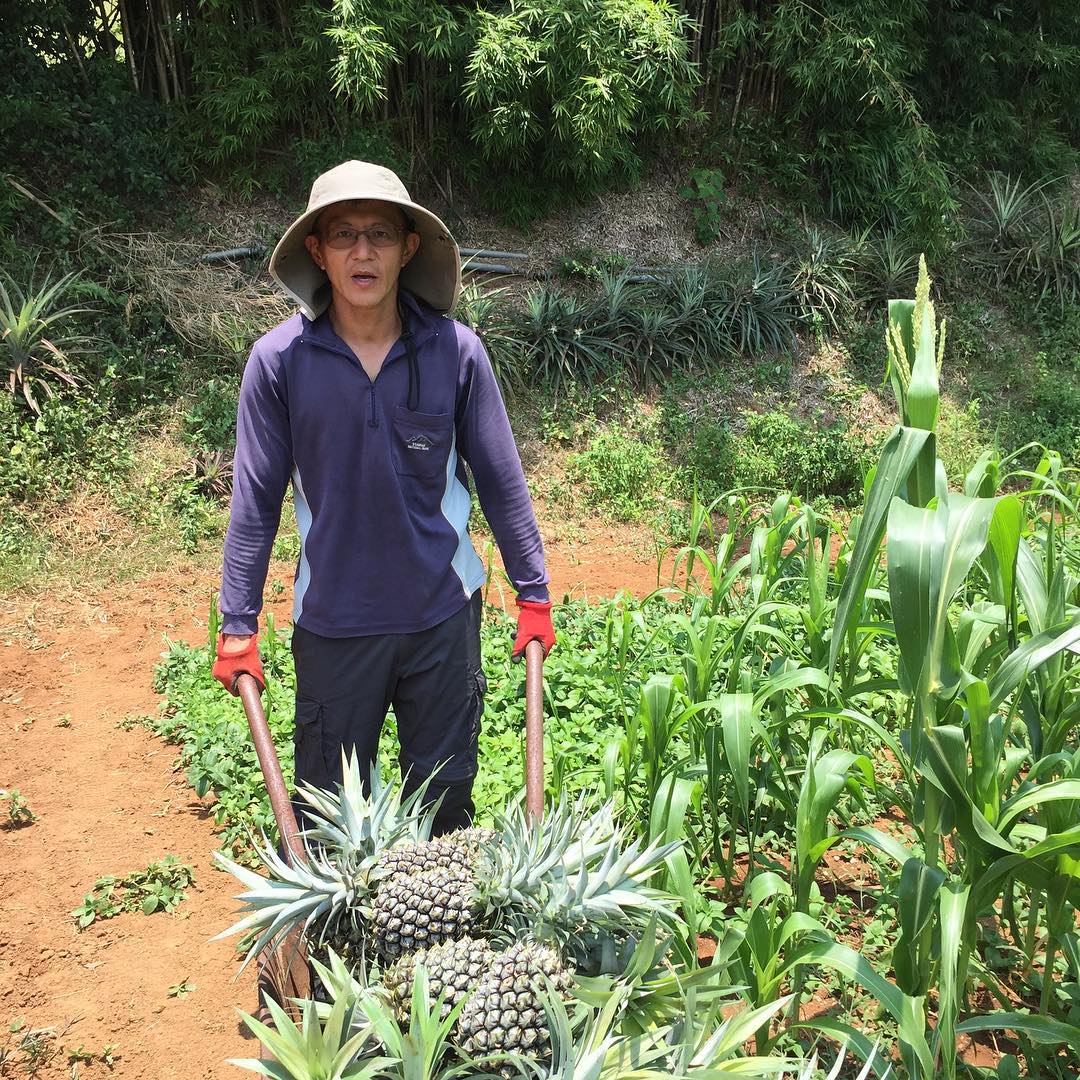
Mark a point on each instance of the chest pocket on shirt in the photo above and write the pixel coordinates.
(421, 444)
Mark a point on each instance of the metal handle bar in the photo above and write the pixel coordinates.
(248, 689)
(534, 731)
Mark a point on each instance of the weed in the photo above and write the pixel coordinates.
(709, 200)
(37, 1048)
(618, 473)
(63, 721)
(80, 1055)
(209, 423)
(182, 989)
(18, 812)
(586, 265)
(160, 887)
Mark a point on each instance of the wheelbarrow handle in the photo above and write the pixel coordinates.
(248, 689)
(534, 731)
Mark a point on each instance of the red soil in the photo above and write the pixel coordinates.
(108, 801)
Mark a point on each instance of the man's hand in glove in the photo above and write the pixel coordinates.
(534, 624)
(237, 656)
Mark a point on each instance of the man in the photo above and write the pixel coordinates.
(371, 403)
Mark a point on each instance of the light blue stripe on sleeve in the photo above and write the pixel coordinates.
(303, 525)
(456, 506)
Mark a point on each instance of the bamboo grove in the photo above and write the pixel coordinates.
(875, 107)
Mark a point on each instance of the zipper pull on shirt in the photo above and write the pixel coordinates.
(373, 418)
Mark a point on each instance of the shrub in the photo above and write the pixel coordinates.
(210, 421)
(75, 132)
(708, 200)
(619, 473)
(708, 456)
(766, 451)
(776, 451)
(47, 455)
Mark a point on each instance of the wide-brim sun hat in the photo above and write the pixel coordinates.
(433, 273)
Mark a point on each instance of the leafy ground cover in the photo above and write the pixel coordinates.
(861, 735)
(160, 887)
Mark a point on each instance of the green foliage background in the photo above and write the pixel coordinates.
(875, 109)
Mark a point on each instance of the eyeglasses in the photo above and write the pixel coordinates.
(380, 236)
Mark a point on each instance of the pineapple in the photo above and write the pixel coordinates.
(377, 886)
(571, 880)
(453, 968)
(326, 897)
(506, 1013)
(413, 911)
(459, 850)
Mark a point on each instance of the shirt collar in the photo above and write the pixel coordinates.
(423, 321)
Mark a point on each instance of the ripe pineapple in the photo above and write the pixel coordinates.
(413, 911)
(375, 879)
(506, 1012)
(459, 850)
(454, 968)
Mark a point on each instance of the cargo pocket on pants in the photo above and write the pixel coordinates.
(308, 756)
(476, 709)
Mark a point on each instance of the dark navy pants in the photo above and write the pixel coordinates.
(433, 679)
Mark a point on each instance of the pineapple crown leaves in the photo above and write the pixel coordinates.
(340, 982)
(573, 866)
(655, 986)
(417, 1050)
(611, 893)
(312, 1050)
(291, 897)
(357, 826)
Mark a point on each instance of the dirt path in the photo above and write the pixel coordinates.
(107, 801)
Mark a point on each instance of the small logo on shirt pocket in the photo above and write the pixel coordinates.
(419, 442)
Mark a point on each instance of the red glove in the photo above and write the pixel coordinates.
(534, 624)
(230, 666)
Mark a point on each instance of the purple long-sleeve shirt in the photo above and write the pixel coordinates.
(380, 489)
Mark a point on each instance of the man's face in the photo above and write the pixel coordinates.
(363, 274)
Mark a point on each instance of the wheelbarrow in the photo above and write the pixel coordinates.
(284, 973)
